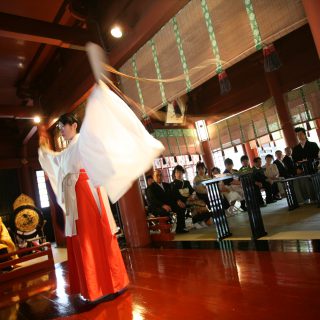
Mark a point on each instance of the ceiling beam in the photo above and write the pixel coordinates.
(7, 111)
(22, 28)
(30, 134)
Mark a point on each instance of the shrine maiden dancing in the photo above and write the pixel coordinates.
(83, 175)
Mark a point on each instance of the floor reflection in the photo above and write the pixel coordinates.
(227, 281)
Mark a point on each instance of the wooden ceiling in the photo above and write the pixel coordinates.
(43, 68)
(300, 65)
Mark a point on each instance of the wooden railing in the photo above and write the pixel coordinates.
(26, 254)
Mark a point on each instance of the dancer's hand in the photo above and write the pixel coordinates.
(44, 142)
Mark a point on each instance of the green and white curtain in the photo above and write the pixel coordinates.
(227, 31)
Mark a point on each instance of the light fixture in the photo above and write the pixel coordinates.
(20, 65)
(36, 119)
(116, 32)
(202, 130)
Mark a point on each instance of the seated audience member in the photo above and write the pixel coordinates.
(163, 203)
(306, 152)
(282, 168)
(261, 180)
(6, 245)
(149, 180)
(183, 194)
(225, 203)
(247, 169)
(272, 173)
(245, 165)
(289, 163)
(233, 184)
(201, 176)
(215, 171)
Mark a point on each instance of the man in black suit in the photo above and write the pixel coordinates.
(261, 180)
(162, 203)
(288, 162)
(283, 171)
(305, 152)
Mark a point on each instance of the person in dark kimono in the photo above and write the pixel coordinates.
(306, 152)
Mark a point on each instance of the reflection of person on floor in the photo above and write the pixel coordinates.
(162, 202)
(111, 138)
(6, 244)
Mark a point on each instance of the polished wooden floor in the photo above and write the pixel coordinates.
(206, 280)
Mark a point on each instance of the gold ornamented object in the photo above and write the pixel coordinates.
(26, 220)
(23, 200)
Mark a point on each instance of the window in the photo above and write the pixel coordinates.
(42, 188)
(235, 156)
(218, 160)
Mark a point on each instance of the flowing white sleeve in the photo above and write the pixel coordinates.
(50, 163)
(115, 147)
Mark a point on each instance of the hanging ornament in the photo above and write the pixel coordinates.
(175, 159)
(235, 149)
(164, 162)
(306, 109)
(308, 126)
(224, 82)
(185, 141)
(178, 145)
(177, 109)
(220, 142)
(271, 137)
(271, 58)
(200, 159)
(257, 143)
(274, 143)
(147, 123)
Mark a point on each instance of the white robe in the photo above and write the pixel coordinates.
(113, 147)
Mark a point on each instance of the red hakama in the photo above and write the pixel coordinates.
(95, 262)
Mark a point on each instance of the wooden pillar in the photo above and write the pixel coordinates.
(318, 127)
(207, 155)
(282, 108)
(26, 174)
(312, 10)
(134, 218)
(251, 153)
